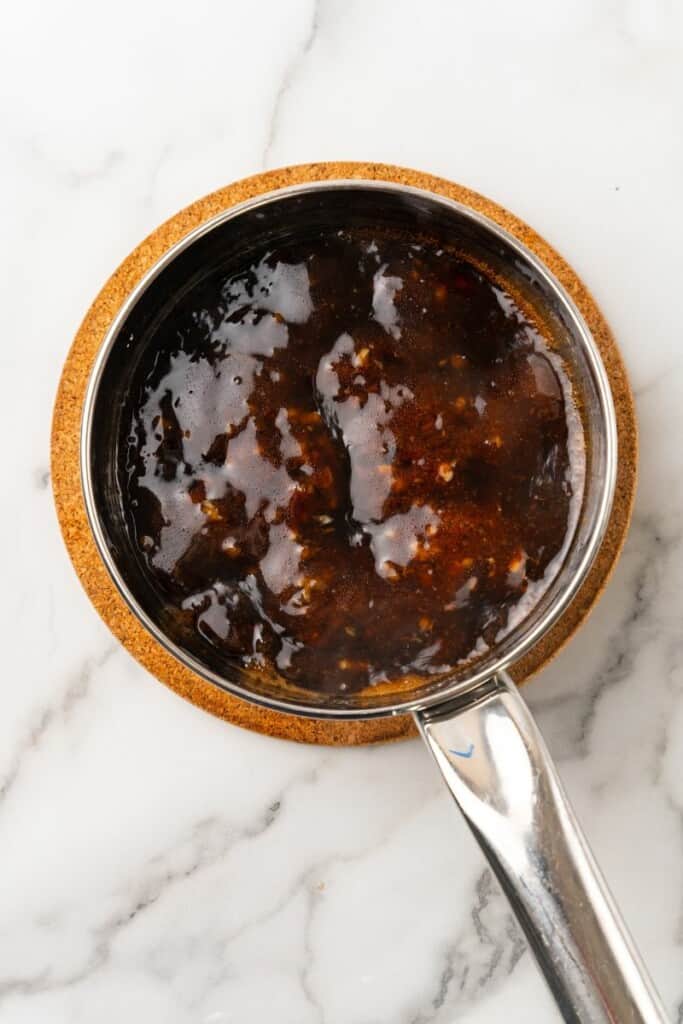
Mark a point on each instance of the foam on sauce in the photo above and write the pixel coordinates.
(351, 460)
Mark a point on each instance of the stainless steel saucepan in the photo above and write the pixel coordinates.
(475, 723)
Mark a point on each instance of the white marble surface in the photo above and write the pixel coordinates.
(155, 864)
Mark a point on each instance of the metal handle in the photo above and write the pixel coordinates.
(496, 765)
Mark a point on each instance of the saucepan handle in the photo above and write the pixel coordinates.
(500, 774)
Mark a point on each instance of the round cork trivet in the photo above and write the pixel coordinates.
(66, 472)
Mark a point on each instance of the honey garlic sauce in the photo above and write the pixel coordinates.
(351, 460)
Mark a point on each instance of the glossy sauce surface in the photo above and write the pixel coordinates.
(351, 460)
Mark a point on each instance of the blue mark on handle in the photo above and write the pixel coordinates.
(463, 753)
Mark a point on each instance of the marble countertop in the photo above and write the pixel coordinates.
(156, 864)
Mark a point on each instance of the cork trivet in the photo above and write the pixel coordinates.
(66, 473)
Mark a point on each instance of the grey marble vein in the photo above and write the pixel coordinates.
(649, 550)
(77, 690)
(71, 177)
(313, 896)
(42, 478)
(156, 880)
(306, 882)
(291, 72)
(157, 166)
(487, 951)
(678, 812)
(655, 382)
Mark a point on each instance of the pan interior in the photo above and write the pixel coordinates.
(270, 222)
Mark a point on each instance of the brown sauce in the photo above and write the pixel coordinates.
(351, 460)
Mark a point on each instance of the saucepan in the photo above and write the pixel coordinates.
(475, 722)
